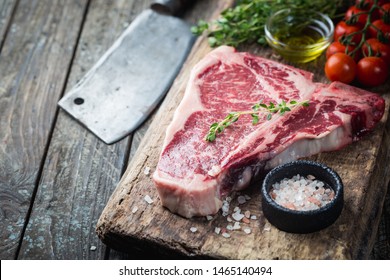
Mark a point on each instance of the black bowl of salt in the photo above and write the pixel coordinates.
(302, 196)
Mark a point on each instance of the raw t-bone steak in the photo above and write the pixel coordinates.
(193, 176)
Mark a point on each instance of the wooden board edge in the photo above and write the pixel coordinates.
(380, 178)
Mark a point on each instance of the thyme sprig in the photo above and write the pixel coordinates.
(258, 109)
(244, 23)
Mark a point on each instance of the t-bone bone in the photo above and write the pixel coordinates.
(193, 176)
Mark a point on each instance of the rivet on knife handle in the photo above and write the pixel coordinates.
(171, 7)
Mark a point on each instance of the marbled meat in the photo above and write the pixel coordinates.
(193, 176)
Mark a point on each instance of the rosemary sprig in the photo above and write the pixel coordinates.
(257, 109)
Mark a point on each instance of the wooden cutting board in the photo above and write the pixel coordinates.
(363, 167)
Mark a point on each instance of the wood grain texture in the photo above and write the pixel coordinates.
(6, 10)
(80, 171)
(74, 174)
(381, 250)
(35, 59)
(363, 167)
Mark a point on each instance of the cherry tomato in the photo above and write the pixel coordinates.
(361, 18)
(386, 9)
(379, 24)
(378, 49)
(367, 4)
(337, 47)
(372, 71)
(340, 67)
(342, 28)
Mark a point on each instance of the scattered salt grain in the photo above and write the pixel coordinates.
(226, 235)
(301, 193)
(267, 227)
(241, 199)
(247, 230)
(247, 197)
(229, 227)
(135, 209)
(217, 230)
(236, 226)
(147, 170)
(247, 214)
(209, 218)
(193, 229)
(148, 199)
(93, 248)
(236, 209)
(229, 219)
(225, 207)
(237, 216)
(253, 217)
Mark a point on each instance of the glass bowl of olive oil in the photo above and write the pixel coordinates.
(299, 36)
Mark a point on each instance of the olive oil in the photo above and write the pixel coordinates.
(300, 44)
(299, 36)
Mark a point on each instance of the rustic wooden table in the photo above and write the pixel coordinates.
(55, 176)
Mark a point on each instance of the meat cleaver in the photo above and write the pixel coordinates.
(120, 91)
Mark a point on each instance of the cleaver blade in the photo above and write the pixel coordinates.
(121, 90)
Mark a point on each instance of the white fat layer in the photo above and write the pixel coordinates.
(194, 196)
(308, 147)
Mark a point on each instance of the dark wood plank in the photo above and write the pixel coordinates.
(153, 227)
(80, 171)
(6, 10)
(35, 60)
(381, 250)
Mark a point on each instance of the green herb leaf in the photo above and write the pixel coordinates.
(244, 23)
(283, 107)
(263, 106)
(256, 107)
(211, 137)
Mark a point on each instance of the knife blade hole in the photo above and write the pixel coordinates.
(78, 101)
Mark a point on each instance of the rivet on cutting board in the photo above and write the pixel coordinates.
(78, 101)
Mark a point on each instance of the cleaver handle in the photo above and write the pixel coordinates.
(170, 7)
